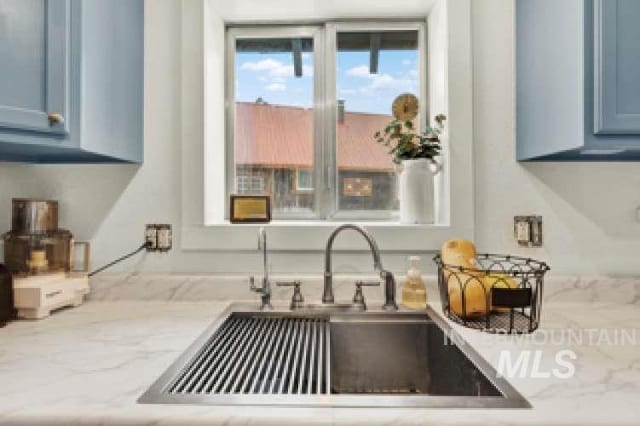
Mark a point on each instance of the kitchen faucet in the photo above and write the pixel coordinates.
(387, 276)
(265, 289)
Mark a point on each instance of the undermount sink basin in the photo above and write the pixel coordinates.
(340, 358)
(401, 356)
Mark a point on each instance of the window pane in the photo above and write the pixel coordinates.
(274, 120)
(304, 180)
(372, 69)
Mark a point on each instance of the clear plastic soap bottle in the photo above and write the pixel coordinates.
(414, 292)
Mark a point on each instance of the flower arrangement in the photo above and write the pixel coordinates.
(407, 144)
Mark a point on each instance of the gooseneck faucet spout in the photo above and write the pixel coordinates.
(389, 286)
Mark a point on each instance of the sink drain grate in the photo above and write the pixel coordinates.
(261, 355)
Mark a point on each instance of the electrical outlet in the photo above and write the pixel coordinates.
(165, 237)
(151, 237)
(527, 230)
(158, 237)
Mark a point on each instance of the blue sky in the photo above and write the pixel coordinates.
(270, 76)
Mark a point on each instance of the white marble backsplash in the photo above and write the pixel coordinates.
(214, 287)
(618, 290)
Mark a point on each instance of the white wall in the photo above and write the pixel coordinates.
(588, 209)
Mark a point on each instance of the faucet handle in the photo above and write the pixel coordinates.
(253, 287)
(360, 284)
(294, 283)
(358, 298)
(297, 301)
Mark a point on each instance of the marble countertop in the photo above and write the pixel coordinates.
(88, 366)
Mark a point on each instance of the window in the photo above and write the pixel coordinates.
(274, 131)
(303, 104)
(304, 180)
(250, 184)
(373, 67)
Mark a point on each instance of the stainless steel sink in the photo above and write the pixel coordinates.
(339, 358)
(400, 356)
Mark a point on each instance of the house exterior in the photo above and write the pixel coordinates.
(274, 155)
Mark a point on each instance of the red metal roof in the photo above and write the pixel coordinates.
(278, 136)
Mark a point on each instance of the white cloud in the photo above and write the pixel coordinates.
(265, 64)
(359, 71)
(348, 91)
(382, 81)
(275, 69)
(407, 62)
(287, 71)
(385, 82)
(276, 87)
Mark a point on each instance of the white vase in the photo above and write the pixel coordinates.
(416, 191)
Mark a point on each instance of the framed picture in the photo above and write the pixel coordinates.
(250, 209)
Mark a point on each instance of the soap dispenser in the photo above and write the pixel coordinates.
(414, 292)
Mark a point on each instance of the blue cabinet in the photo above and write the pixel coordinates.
(617, 67)
(34, 52)
(71, 80)
(578, 80)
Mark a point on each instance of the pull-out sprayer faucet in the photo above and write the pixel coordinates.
(389, 280)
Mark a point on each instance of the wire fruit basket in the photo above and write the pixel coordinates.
(503, 294)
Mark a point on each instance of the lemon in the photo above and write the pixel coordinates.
(475, 297)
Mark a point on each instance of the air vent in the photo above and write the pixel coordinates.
(260, 355)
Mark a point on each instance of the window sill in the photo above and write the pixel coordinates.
(328, 224)
(311, 236)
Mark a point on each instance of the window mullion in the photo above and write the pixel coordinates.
(319, 171)
(331, 198)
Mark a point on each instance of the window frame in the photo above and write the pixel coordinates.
(324, 35)
(202, 124)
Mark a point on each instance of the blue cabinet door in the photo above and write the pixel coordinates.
(616, 67)
(34, 71)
